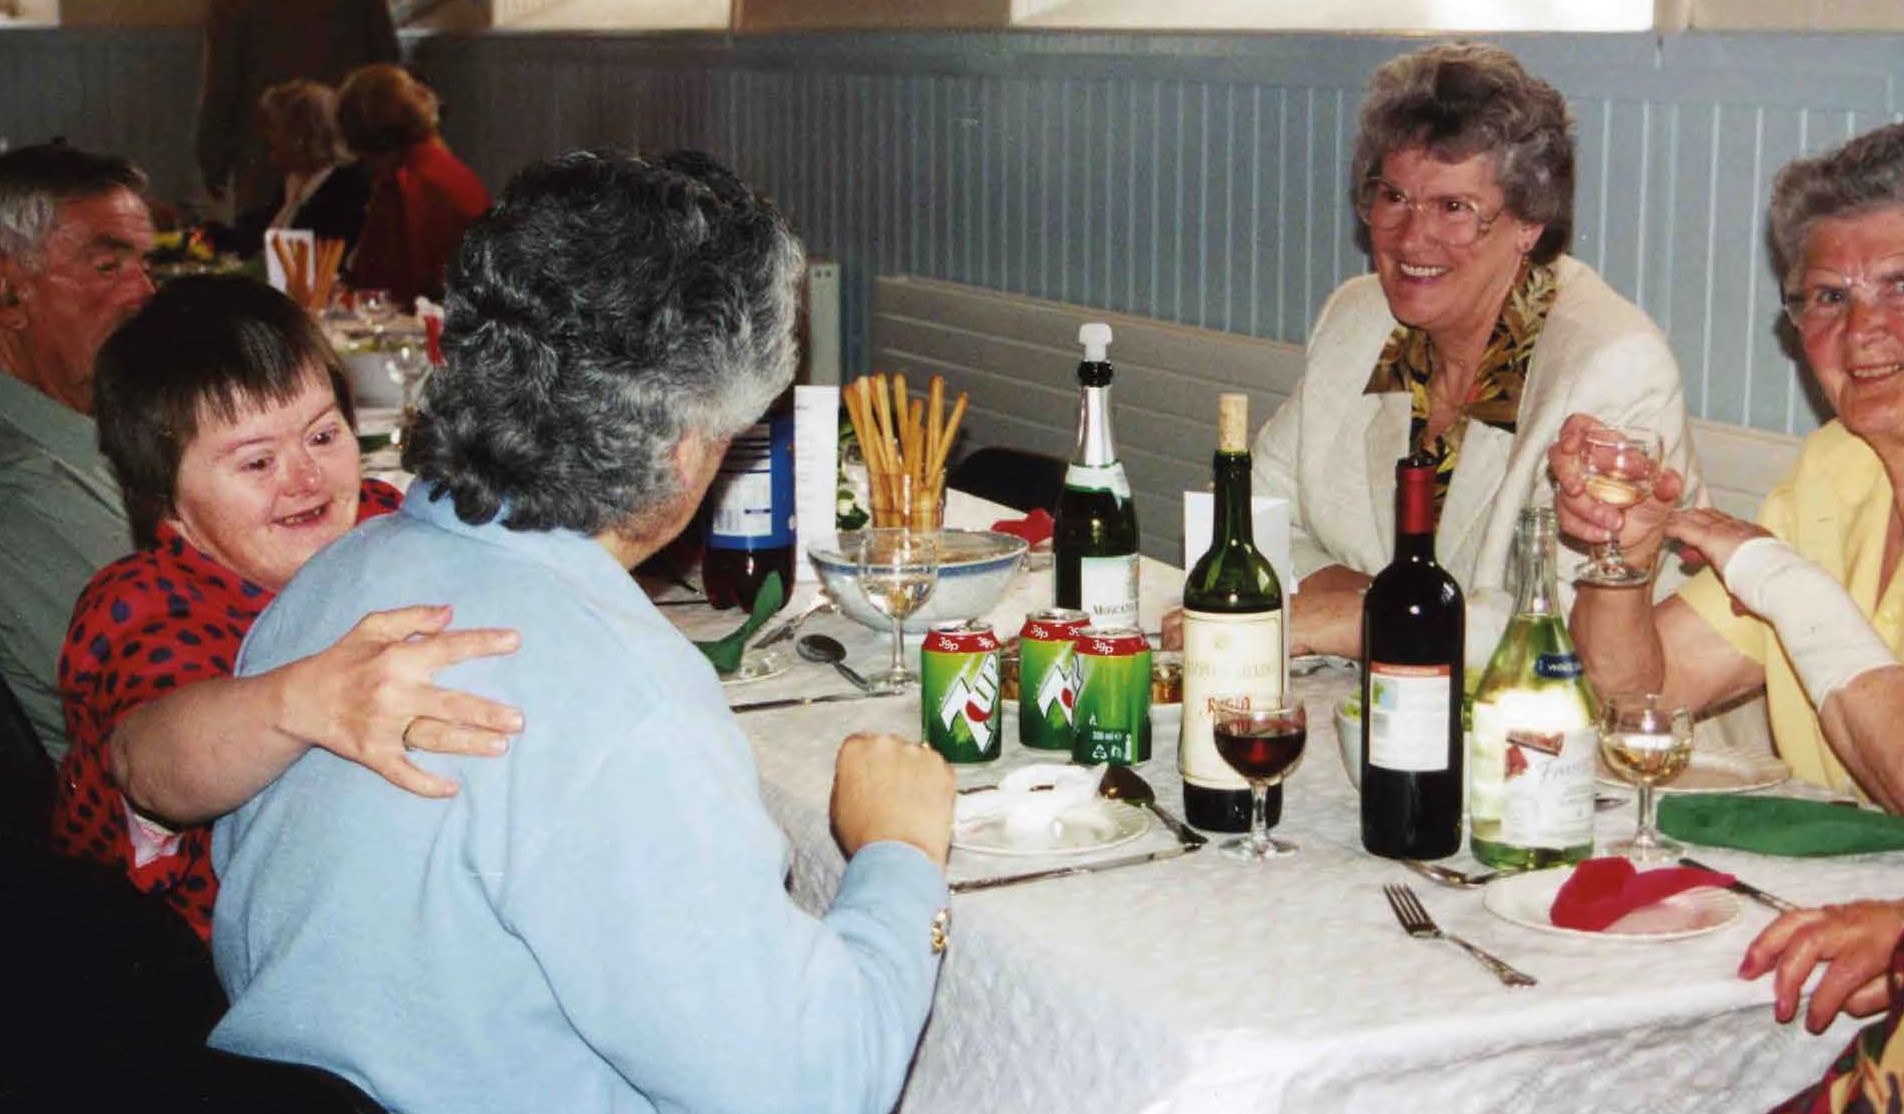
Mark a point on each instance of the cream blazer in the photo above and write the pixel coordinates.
(1330, 450)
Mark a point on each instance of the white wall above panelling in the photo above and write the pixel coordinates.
(1342, 15)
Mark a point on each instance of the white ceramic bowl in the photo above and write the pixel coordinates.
(976, 568)
(1348, 737)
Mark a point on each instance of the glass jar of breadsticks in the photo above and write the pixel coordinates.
(905, 439)
(310, 269)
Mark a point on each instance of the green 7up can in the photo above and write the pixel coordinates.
(958, 692)
(1112, 720)
(1048, 677)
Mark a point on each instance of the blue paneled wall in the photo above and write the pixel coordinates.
(1191, 178)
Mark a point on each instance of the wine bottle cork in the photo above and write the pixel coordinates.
(1232, 423)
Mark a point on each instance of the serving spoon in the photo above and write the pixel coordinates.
(827, 650)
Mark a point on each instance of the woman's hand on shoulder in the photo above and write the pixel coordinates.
(372, 697)
(1855, 941)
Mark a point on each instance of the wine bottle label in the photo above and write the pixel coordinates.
(1224, 655)
(753, 500)
(1107, 590)
(1560, 667)
(1407, 716)
(1098, 477)
(1533, 772)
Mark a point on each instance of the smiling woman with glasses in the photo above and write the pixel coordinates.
(1475, 335)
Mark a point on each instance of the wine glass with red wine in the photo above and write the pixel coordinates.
(1261, 742)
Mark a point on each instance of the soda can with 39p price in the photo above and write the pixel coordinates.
(958, 691)
(1111, 722)
(1048, 677)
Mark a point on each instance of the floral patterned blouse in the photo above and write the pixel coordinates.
(148, 624)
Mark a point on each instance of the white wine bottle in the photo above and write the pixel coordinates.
(1232, 636)
(1094, 533)
(1530, 787)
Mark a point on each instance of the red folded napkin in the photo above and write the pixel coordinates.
(1034, 527)
(1602, 891)
(433, 338)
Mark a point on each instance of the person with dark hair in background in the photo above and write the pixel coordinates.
(422, 196)
(74, 232)
(599, 921)
(252, 45)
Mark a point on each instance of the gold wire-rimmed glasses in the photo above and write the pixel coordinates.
(1452, 219)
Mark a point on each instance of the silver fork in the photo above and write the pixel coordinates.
(1416, 921)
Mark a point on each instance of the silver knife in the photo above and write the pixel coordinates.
(797, 701)
(1747, 889)
(1156, 856)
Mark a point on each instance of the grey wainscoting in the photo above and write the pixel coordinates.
(1195, 179)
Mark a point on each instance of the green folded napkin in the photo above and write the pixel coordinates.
(725, 652)
(1780, 825)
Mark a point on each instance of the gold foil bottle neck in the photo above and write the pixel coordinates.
(1232, 423)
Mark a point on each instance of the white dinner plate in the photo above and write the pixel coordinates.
(1527, 900)
(756, 665)
(1089, 827)
(1716, 771)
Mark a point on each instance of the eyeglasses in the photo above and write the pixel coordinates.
(1452, 219)
(1819, 304)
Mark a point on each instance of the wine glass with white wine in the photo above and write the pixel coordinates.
(1647, 740)
(898, 569)
(1618, 466)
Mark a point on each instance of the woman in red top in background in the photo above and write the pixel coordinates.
(422, 196)
(227, 421)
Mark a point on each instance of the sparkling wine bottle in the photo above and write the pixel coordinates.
(1094, 533)
(1530, 787)
(1232, 636)
(1413, 627)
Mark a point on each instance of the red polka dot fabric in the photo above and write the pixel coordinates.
(149, 624)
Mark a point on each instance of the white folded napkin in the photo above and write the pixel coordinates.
(1036, 802)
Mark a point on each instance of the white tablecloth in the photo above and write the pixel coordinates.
(1202, 984)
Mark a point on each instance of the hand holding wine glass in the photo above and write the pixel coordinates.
(1647, 740)
(1618, 467)
(1261, 742)
(898, 569)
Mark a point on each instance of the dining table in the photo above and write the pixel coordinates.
(1201, 983)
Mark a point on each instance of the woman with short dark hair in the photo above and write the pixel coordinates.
(422, 196)
(226, 418)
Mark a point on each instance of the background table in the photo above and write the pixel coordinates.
(1202, 984)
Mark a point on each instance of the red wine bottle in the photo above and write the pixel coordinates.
(1413, 635)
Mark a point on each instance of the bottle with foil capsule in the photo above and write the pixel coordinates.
(1094, 533)
(1232, 636)
(1530, 776)
(1414, 624)
(749, 509)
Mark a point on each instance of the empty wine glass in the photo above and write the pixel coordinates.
(407, 364)
(898, 568)
(1647, 740)
(376, 308)
(1618, 466)
(1261, 743)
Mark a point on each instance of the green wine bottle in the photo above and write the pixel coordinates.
(1232, 635)
(1530, 787)
(1094, 533)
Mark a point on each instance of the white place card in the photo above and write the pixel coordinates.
(274, 270)
(816, 456)
(1269, 521)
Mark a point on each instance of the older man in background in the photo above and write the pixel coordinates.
(74, 231)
